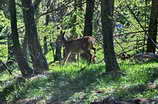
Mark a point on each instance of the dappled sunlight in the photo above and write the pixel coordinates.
(68, 84)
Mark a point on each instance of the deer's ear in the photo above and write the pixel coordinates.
(61, 32)
(64, 33)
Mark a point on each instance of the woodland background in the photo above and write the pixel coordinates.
(31, 68)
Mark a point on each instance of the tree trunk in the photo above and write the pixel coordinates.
(10, 48)
(22, 63)
(89, 18)
(80, 4)
(25, 46)
(57, 56)
(74, 20)
(107, 31)
(38, 59)
(45, 46)
(47, 18)
(152, 27)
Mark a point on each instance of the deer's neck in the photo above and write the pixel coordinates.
(64, 41)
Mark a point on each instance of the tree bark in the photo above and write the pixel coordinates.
(22, 63)
(74, 20)
(45, 46)
(58, 56)
(10, 48)
(47, 18)
(152, 27)
(80, 5)
(88, 28)
(107, 31)
(25, 46)
(38, 59)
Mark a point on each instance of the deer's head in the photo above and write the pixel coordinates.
(61, 39)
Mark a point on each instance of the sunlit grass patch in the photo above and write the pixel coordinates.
(84, 83)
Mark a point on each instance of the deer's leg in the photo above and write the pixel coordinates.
(89, 56)
(94, 49)
(67, 57)
(72, 57)
(93, 58)
(78, 58)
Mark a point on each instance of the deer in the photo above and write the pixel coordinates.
(82, 45)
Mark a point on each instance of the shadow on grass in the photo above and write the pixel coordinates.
(66, 86)
(148, 85)
(58, 87)
(140, 62)
(61, 86)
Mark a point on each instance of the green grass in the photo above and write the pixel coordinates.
(71, 85)
(3, 52)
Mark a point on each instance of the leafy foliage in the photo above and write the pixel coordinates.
(79, 82)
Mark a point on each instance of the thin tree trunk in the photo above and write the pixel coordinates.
(57, 56)
(45, 46)
(10, 48)
(74, 20)
(47, 18)
(88, 28)
(80, 5)
(89, 18)
(152, 27)
(22, 63)
(38, 59)
(25, 46)
(107, 31)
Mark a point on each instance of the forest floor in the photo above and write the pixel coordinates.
(83, 84)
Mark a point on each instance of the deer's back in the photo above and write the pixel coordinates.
(81, 44)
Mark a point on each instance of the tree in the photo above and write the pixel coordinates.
(45, 46)
(38, 59)
(74, 19)
(58, 47)
(47, 18)
(79, 3)
(88, 25)
(22, 63)
(152, 27)
(11, 59)
(107, 31)
(89, 18)
(4, 7)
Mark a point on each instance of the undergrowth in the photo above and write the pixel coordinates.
(81, 83)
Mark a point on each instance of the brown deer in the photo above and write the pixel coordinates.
(82, 45)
